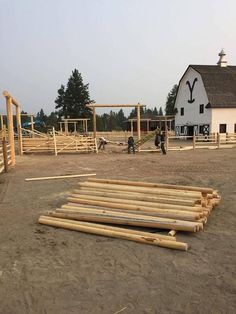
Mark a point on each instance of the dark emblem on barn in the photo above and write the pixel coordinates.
(191, 87)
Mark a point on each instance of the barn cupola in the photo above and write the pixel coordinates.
(222, 61)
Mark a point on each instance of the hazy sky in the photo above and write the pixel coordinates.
(129, 51)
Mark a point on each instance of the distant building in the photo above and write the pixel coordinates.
(206, 99)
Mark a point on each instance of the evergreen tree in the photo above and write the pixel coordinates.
(52, 120)
(155, 111)
(71, 101)
(160, 113)
(41, 116)
(121, 120)
(170, 102)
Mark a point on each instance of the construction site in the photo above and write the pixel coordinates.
(89, 230)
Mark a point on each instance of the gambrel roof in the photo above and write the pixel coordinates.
(220, 84)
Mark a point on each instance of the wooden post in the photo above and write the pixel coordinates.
(218, 140)
(32, 124)
(4, 152)
(1, 117)
(55, 142)
(86, 126)
(132, 127)
(66, 126)
(60, 123)
(18, 123)
(194, 141)
(138, 124)
(94, 123)
(75, 127)
(10, 127)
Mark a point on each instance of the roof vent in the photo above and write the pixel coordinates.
(222, 61)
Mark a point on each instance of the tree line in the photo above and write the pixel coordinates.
(71, 103)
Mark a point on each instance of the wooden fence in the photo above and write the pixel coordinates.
(56, 143)
(5, 156)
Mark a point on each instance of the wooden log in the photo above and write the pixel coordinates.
(108, 227)
(156, 191)
(139, 203)
(10, 128)
(172, 233)
(191, 216)
(154, 185)
(137, 196)
(61, 177)
(91, 214)
(115, 234)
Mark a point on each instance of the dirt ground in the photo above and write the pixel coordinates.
(48, 270)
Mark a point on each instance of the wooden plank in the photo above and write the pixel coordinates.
(61, 177)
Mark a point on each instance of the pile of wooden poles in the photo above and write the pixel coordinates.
(99, 204)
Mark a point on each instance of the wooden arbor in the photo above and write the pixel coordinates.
(10, 101)
(66, 122)
(137, 106)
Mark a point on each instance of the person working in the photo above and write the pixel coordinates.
(131, 145)
(102, 142)
(162, 138)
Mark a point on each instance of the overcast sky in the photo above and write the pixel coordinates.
(128, 51)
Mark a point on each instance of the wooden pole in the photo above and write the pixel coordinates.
(86, 126)
(1, 117)
(4, 151)
(165, 213)
(156, 191)
(218, 140)
(132, 128)
(94, 123)
(106, 216)
(154, 185)
(136, 196)
(194, 141)
(66, 127)
(10, 128)
(18, 122)
(56, 216)
(115, 234)
(32, 122)
(61, 177)
(55, 141)
(138, 125)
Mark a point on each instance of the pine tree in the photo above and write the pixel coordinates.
(160, 113)
(72, 101)
(170, 102)
(41, 116)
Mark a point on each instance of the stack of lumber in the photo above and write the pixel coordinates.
(100, 202)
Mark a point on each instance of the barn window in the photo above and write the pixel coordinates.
(182, 111)
(201, 109)
(222, 128)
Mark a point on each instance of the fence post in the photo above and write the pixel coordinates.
(4, 152)
(194, 141)
(55, 142)
(218, 140)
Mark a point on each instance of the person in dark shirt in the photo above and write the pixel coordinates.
(162, 138)
(131, 145)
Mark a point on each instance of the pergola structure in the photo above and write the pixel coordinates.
(22, 115)
(137, 106)
(166, 120)
(66, 123)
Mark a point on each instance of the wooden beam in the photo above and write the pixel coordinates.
(138, 125)
(94, 123)
(61, 177)
(113, 106)
(18, 122)
(114, 234)
(10, 128)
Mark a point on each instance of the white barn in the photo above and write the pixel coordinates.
(206, 99)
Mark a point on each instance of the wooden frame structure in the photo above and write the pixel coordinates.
(137, 107)
(66, 122)
(10, 101)
(166, 119)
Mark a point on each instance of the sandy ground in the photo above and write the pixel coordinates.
(48, 270)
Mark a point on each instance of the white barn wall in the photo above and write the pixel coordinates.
(223, 116)
(191, 110)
